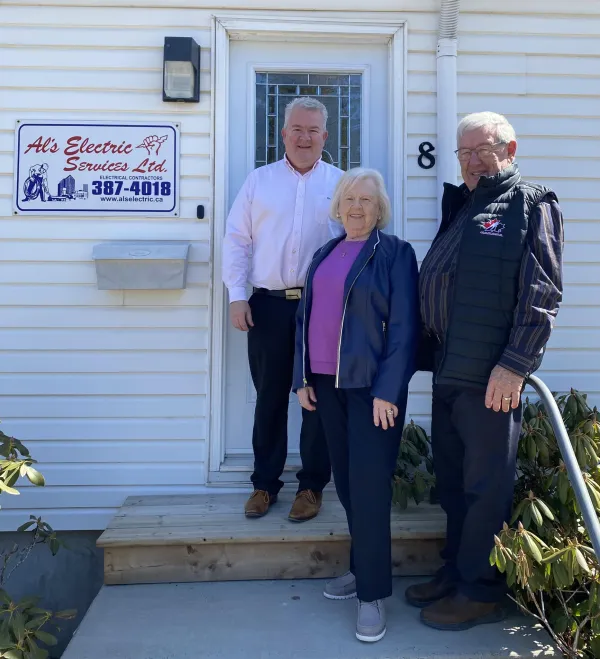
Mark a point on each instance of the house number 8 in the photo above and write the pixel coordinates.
(426, 160)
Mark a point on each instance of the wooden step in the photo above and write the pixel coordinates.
(162, 539)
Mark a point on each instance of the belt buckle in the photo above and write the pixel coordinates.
(292, 294)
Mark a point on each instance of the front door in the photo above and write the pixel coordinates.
(353, 81)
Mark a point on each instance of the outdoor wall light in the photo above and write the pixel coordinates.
(181, 70)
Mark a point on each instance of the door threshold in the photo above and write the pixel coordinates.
(244, 463)
(235, 481)
(237, 469)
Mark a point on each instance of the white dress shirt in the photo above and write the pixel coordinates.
(278, 220)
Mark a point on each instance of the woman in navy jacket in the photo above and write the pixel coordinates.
(356, 339)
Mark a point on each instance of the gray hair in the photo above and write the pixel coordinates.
(351, 177)
(505, 133)
(308, 103)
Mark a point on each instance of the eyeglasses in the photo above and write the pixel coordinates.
(483, 152)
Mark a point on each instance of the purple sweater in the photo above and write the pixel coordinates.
(328, 305)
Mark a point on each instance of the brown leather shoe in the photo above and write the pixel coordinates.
(424, 594)
(258, 503)
(458, 612)
(306, 506)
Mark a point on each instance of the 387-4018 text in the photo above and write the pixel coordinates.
(144, 188)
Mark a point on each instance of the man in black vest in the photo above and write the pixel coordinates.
(490, 287)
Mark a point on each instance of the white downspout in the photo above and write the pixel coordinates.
(446, 97)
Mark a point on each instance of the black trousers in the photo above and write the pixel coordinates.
(363, 458)
(271, 356)
(474, 457)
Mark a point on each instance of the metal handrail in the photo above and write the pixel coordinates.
(574, 473)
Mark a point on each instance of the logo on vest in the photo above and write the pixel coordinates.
(492, 227)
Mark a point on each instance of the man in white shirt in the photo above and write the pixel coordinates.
(278, 220)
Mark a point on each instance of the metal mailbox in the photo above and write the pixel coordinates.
(141, 265)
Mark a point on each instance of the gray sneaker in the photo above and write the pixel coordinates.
(370, 625)
(341, 588)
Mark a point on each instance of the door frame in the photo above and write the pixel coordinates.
(301, 28)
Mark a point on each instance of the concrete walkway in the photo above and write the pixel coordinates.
(275, 620)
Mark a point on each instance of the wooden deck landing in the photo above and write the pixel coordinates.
(160, 539)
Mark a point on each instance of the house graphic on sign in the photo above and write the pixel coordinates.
(81, 194)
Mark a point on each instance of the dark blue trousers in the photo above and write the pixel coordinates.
(363, 458)
(474, 457)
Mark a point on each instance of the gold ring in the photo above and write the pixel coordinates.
(389, 412)
(506, 397)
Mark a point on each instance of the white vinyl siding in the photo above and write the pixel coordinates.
(543, 73)
(109, 389)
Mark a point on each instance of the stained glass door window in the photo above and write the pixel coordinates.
(340, 93)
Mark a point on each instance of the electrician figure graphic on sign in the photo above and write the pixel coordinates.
(36, 185)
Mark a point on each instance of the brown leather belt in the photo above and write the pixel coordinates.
(287, 293)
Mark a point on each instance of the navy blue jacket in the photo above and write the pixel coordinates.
(380, 325)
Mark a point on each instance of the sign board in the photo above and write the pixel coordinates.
(99, 168)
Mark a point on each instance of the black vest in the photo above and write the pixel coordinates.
(486, 283)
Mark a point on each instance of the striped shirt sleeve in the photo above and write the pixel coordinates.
(540, 289)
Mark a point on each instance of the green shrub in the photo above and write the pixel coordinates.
(545, 552)
(410, 480)
(24, 625)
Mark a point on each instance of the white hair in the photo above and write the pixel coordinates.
(308, 103)
(359, 174)
(505, 133)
